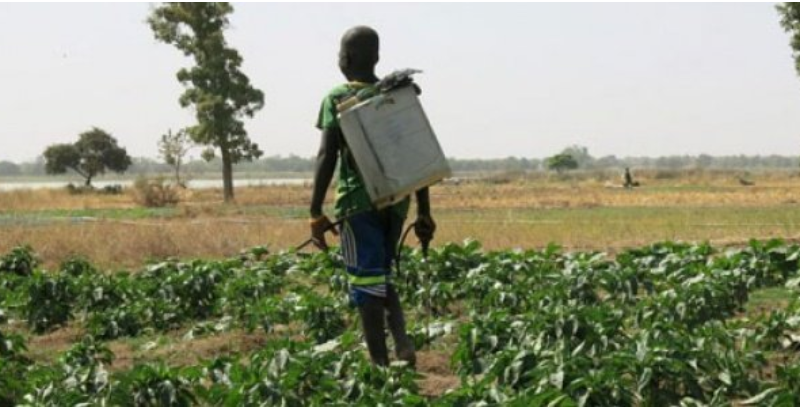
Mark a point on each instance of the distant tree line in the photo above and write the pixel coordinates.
(195, 166)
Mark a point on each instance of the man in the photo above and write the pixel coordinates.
(628, 178)
(369, 237)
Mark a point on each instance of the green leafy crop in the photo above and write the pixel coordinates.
(666, 324)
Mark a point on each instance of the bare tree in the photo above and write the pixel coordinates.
(173, 148)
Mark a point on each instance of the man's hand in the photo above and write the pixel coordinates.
(319, 226)
(424, 228)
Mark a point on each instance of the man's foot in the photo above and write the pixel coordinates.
(407, 354)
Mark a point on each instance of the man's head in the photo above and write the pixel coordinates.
(359, 51)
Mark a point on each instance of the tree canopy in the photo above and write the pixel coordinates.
(216, 88)
(562, 162)
(95, 152)
(790, 21)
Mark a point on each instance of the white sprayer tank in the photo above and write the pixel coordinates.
(393, 145)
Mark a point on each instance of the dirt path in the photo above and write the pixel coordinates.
(438, 377)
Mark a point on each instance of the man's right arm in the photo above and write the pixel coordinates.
(324, 168)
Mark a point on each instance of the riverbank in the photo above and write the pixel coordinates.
(204, 181)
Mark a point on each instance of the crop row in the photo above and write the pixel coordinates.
(659, 325)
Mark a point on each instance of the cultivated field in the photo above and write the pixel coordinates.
(636, 324)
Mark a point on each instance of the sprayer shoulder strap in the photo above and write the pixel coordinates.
(352, 90)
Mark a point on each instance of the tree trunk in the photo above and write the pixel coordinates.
(178, 174)
(88, 181)
(227, 175)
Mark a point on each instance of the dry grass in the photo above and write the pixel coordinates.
(47, 199)
(534, 192)
(113, 244)
(530, 195)
(124, 243)
(579, 213)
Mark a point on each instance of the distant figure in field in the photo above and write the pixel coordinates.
(745, 182)
(629, 183)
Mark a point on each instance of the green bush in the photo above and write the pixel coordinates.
(49, 302)
(20, 261)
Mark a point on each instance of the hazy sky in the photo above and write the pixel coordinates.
(500, 79)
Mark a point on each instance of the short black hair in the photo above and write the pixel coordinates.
(361, 45)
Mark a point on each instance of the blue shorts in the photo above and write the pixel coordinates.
(369, 246)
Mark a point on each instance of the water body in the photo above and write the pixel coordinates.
(196, 184)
